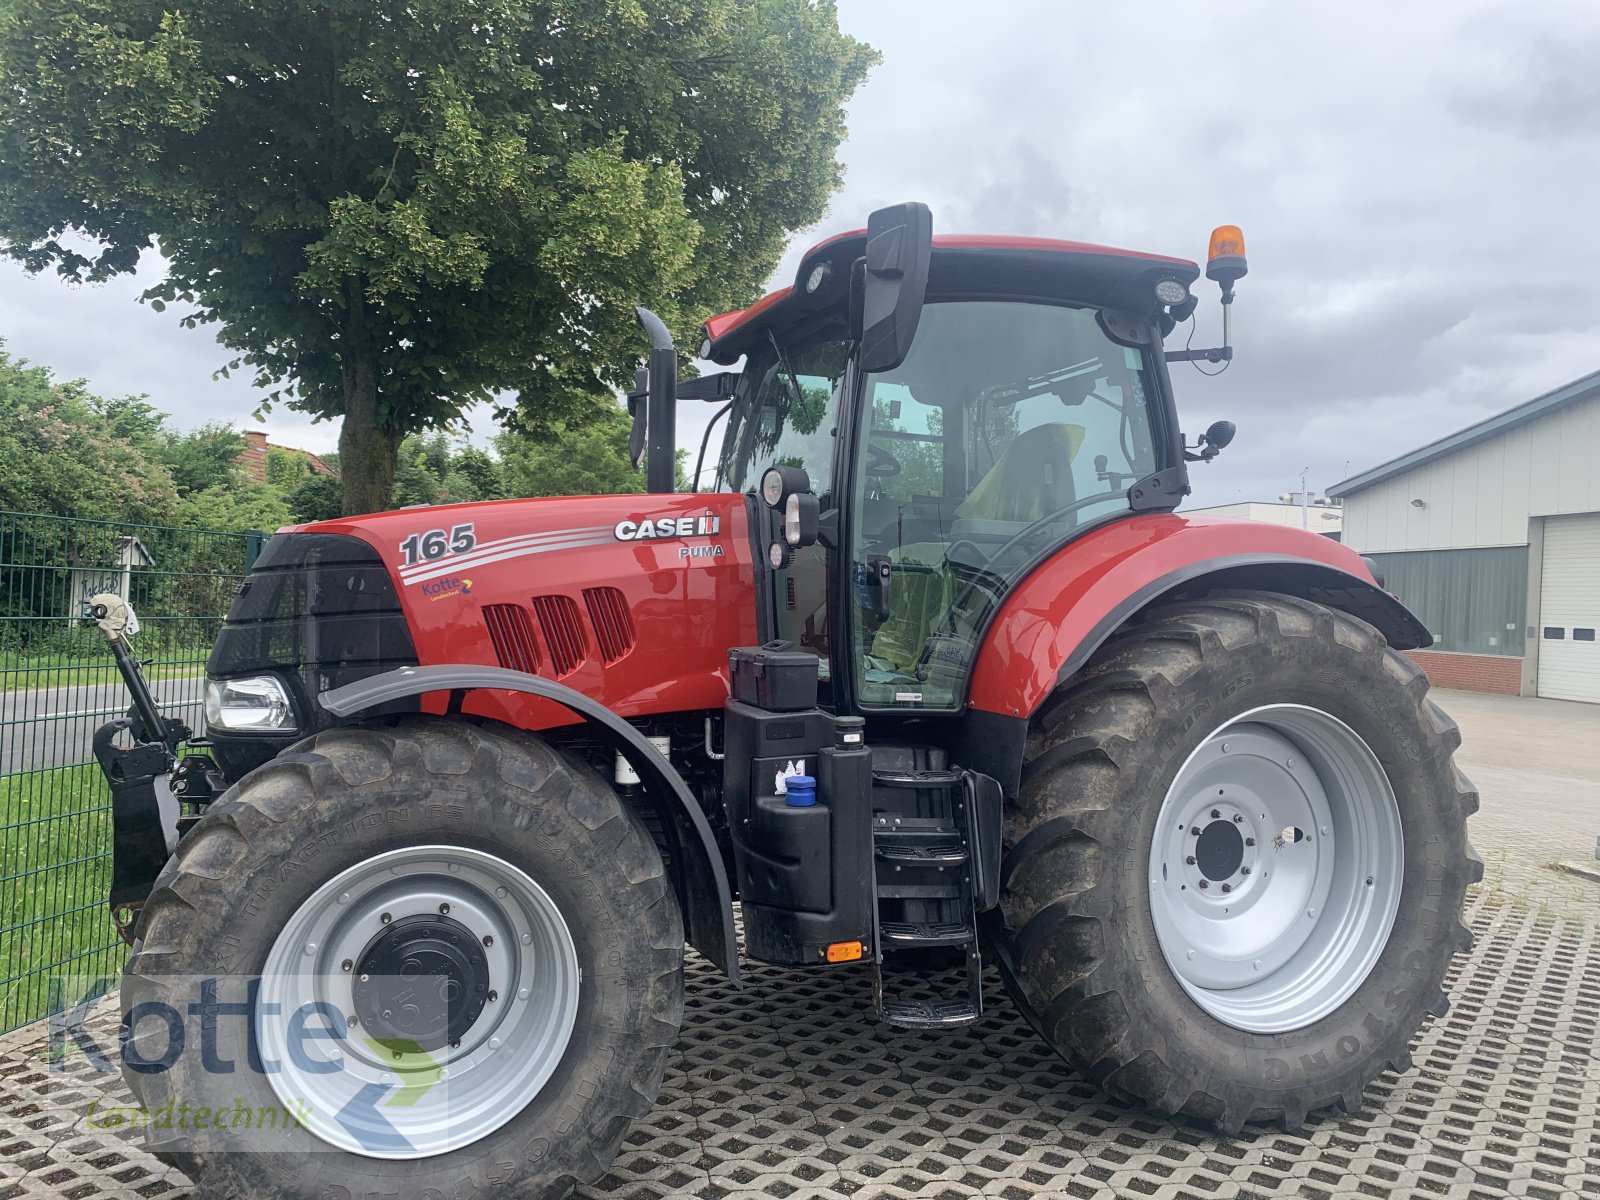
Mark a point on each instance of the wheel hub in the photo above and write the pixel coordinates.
(1219, 851)
(423, 980)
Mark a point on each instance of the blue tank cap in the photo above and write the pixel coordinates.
(800, 791)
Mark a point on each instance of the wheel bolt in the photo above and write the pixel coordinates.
(1204, 885)
(346, 965)
(1227, 887)
(1244, 870)
(493, 996)
(1249, 841)
(1237, 819)
(386, 918)
(366, 978)
(444, 908)
(488, 939)
(1194, 829)
(1189, 860)
(1215, 813)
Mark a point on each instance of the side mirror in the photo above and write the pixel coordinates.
(1220, 433)
(894, 283)
(637, 401)
(661, 394)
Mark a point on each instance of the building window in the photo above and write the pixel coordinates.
(1472, 601)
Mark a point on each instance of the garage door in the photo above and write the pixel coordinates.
(1569, 609)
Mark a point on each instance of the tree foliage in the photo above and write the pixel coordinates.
(395, 208)
(587, 459)
(61, 453)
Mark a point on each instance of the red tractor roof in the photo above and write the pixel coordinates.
(1020, 265)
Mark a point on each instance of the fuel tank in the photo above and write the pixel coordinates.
(632, 600)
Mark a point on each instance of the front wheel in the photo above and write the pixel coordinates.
(435, 955)
(1234, 875)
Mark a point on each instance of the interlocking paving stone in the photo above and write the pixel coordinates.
(792, 1091)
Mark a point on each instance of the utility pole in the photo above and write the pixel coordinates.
(1305, 501)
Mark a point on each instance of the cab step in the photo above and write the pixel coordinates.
(930, 870)
(928, 1014)
(911, 934)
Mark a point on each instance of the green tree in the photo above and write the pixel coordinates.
(588, 459)
(239, 506)
(395, 208)
(202, 458)
(473, 475)
(317, 499)
(60, 454)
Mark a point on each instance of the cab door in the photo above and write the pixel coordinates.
(789, 414)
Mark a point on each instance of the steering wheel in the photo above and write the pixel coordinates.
(946, 618)
(880, 462)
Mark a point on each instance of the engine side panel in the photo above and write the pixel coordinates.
(631, 600)
(1075, 599)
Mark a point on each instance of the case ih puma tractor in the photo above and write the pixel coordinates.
(935, 679)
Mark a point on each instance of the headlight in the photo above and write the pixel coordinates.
(772, 487)
(256, 703)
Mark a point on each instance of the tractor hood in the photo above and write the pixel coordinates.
(632, 600)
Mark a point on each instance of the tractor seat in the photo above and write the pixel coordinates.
(1031, 479)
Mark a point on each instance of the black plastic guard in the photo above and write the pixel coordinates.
(144, 813)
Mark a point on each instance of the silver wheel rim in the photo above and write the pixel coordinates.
(1276, 868)
(386, 1098)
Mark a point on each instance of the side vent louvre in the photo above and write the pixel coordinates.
(563, 632)
(613, 624)
(512, 634)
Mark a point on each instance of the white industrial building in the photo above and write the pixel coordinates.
(1492, 536)
(1319, 514)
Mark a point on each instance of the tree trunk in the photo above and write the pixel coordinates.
(368, 448)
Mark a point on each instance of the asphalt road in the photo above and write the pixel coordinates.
(54, 727)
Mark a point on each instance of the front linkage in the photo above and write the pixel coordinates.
(149, 779)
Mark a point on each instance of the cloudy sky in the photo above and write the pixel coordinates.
(1419, 184)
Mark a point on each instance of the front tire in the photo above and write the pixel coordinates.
(356, 864)
(1233, 877)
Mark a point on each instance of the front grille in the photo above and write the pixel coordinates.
(512, 634)
(613, 623)
(563, 632)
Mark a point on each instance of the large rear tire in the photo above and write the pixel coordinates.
(1233, 878)
(430, 849)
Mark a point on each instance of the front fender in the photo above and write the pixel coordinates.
(706, 896)
(1061, 613)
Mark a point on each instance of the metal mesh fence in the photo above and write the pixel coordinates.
(57, 686)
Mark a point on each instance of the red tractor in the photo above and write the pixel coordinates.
(934, 678)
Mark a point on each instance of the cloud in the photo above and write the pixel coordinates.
(1415, 182)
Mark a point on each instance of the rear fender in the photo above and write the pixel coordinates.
(703, 889)
(1060, 614)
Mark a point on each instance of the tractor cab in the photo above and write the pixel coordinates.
(1011, 394)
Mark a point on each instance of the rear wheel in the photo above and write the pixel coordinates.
(466, 960)
(1234, 874)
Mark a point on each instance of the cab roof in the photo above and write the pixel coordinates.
(967, 264)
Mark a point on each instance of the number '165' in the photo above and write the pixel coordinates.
(425, 547)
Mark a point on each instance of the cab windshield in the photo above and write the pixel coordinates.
(1008, 427)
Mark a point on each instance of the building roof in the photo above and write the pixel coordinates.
(1566, 396)
(253, 458)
